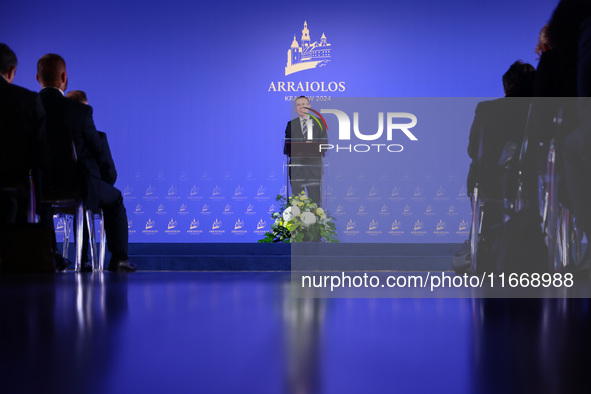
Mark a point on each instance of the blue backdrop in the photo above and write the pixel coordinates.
(195, 97)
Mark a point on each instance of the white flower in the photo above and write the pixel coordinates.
(308, 218)
(290, 212)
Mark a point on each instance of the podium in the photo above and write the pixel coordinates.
(305, 166)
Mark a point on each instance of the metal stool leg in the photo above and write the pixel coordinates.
(79, 235)
(565, 245)
(552, 208)
(91, 239)
(475, 230)
(67, 228)
(102, 239)
(577, 239)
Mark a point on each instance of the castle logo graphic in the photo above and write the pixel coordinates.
(305, 55)
(205, 210)
(216, 191)
(373, 191)
(464, 225)
(261, 224)
(418, 225)
(130, 229)
(351, 228)
(239, 228)
(373, 225)
(373, 228)
(150, 224)
(194, 228)
(407, 210)
(250, 210)
(61, 226)
(216, 228)
(362, 210)
(395, 230)
(463, 228)
(351, 225)
(127, 191)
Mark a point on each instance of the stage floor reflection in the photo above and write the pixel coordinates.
(241, 332)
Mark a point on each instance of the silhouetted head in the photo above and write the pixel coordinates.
(8, 62)
(518, 81)
(51, 71)
(543, 42)
(77, 95)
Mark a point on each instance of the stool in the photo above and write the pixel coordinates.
(73, 208)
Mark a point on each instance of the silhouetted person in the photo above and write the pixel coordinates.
(23, 154)
(569, 32)
(23, 145)
(107, 169)
(71, 123)
(494, 147)
(305, 173)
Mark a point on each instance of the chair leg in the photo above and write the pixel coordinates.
(552, 210)
(475, 229)
(564, 233)
(102, 239)
(91, 239)
(79, 235)
(67, 226)
(577, 238)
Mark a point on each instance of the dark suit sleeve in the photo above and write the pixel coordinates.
(94, 143)
(108, 171)
(286, 151)
(40, 147)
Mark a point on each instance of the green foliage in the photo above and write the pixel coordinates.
(300, 220)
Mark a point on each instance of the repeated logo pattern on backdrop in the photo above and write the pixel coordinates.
(400, 212)
(407, 210)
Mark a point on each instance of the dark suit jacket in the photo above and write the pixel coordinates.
(23, 145)
(108, 171)
(67, 121)
(499, 122)
(312, 169)
(294, 128)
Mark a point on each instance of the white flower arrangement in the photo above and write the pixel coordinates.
(301, 220)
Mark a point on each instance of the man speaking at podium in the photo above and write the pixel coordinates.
(302, 138)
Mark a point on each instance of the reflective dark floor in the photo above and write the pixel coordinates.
(240, 332)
